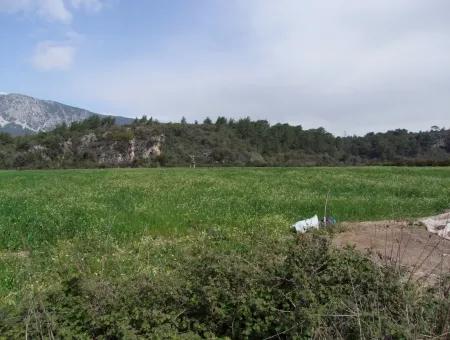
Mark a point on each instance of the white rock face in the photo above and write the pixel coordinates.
(37, 115)
(2, 122)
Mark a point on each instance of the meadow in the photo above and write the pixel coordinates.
(39, 208)
(113, 224)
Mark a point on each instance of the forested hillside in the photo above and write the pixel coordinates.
(98, 142)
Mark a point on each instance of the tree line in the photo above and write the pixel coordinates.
(223, 142)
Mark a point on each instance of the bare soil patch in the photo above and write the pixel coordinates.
(401, 243)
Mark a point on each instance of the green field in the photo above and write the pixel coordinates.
(114, 223)
(39, 208)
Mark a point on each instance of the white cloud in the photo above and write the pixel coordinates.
(50, 55)
(89, 5)
(53, 55)
(348, 65)
(52, 10)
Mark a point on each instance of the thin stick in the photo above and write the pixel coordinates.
(325, 212)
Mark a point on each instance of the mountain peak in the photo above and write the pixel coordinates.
(22, 114)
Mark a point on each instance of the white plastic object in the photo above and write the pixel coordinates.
(304, 225)
(439, 224)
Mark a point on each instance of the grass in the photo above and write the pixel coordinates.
(39, 208)
(117, 223)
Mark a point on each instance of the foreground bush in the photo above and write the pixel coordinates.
(256, 287)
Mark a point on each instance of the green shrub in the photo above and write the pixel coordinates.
(252, 286)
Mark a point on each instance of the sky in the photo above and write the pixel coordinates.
(349, 66)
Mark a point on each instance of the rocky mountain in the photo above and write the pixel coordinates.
(20, 114)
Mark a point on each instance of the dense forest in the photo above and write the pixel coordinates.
(99, 142)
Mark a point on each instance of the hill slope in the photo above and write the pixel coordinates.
(98, 142)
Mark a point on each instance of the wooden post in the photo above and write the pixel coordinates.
(192, 165)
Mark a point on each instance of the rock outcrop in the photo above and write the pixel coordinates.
(108, 152)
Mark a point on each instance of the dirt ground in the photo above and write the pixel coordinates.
(403, 244)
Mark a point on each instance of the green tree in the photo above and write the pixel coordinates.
(5, 139)
(221, 121)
